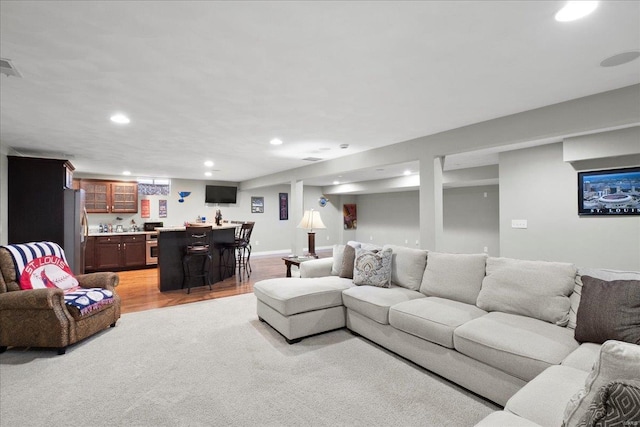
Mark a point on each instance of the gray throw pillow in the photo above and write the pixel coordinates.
(372, 268)
(348, 257)
(608, 311)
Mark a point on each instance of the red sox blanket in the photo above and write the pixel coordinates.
(43, 265)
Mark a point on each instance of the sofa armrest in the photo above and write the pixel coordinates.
(33, 299)
(104, 280)
(316, 267)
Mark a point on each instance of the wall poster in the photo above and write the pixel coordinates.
(162, 208)
(350, 214)
(145, 208)
(284, 206)
(257, 204)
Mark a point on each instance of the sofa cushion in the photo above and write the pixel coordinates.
(372, 268)
(374, 302)
(505, 419)
(598, 273)
(617, 361)
(538, 289)
(543, 399)
(584, 357)
(454, 276)
(294, 295)
(338, 253)
(433, 319)
(518, 345)
(407, 266)
(609, 310)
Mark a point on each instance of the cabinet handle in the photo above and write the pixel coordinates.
(118, 246)
(125, 246)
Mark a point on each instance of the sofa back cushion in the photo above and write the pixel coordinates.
(407, 266)
(598, 273)
(537, 289)
(338, 253)
(454, 276)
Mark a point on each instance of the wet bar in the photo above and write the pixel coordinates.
(171, 246)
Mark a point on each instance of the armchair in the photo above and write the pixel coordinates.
(40, 317)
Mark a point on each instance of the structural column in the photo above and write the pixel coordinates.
(431, 203)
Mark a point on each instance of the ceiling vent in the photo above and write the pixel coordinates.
(312, 159)
(6, 67)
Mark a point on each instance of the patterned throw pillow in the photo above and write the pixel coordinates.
(373, 268)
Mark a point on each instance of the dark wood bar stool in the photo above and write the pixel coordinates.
(197, 248)
(242, 247)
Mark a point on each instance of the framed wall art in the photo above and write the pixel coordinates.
(257, 204)
(284, 206)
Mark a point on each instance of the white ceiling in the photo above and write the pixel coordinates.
(218, 80)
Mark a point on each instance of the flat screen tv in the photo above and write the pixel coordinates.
(609, 192)
(220, 194)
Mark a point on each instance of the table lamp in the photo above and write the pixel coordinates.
(310, 221)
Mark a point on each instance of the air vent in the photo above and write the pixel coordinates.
(6, 67)
(312, 159)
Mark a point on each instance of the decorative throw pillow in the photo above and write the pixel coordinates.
(616, 361)
(598, 273)
(372, 268)
(454, 276)
(41, 265)
(348, 257)
(538, 289)
(615, 402)
(608, 310)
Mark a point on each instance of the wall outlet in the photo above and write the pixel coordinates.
(417, 243)
(486, 249)
(406, 241)
(518, 223)
(370, 237)
(327, 237)
(257, 242)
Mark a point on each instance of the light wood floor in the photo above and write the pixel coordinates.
(138, 289)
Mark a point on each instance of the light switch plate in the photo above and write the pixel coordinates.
(518, 223)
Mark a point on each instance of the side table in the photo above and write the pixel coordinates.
(295, 260)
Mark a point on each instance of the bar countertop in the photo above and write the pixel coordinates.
(224, 226)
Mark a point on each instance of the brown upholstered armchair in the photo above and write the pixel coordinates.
(40, 317)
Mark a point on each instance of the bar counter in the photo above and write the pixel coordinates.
(171, 246)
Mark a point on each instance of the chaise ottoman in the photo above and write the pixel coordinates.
(300, 307)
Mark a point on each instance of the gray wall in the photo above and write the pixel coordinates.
(392, 218)
(537, 185)
(472, 220)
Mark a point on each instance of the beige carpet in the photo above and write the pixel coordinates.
(213, 363)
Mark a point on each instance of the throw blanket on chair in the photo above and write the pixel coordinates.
(43, 265)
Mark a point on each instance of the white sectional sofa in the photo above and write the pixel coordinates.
(502, 328)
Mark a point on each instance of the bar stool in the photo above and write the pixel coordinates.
(197, 248)
(242, 247)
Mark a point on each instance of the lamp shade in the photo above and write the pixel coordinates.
(311, 220)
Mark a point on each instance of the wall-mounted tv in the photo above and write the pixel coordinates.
(609, 192)
(220, 194)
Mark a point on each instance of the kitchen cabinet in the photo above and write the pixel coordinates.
(110, 196)
(120, 252)
(90, 254)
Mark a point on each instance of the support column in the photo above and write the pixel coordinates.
(299, 238)
(431, 203)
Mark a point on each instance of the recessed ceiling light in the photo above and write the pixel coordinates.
(275, 141)
(336, 182)
(621, 58)
(126, 173)
(208, 174)
(121, 119)
(407, 172)
(208, 163)
(575, 10)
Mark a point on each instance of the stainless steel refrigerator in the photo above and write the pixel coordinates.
(75, 229)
